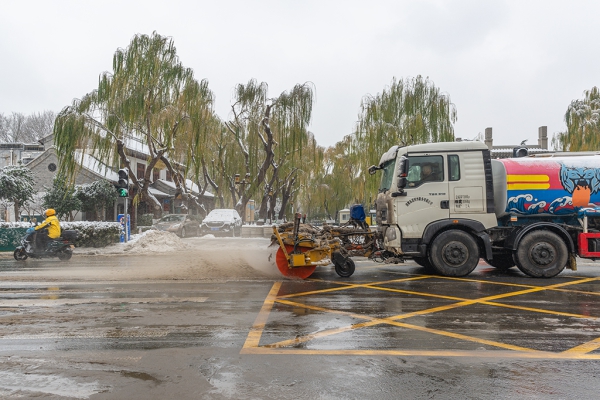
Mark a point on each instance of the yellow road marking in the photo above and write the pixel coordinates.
(375, 321)
(494, 354)
(437, 296)
(255, 333)
(252, 343)
(584, 348)
(539, 310)
(463, 337)
(350, 286)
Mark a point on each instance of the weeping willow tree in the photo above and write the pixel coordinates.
(205, 139)
(344, 178)
(409, 111)
(147, 103)
(301, 184)
(270, 135)
(583, 124)
(291, 115)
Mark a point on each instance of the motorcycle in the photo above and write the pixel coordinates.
(61, 247)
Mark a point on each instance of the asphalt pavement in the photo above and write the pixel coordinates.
(101, 328)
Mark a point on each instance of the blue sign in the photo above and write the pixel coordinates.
(121, 220)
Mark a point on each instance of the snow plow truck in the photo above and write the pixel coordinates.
(446, 205)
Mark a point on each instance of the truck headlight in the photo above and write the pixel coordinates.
(390, 234)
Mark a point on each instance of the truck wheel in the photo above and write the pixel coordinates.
(454, 253)
(502, 262)
(542, 254)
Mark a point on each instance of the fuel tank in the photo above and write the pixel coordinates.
(546, 186)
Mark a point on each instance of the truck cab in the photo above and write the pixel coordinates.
(430, 188)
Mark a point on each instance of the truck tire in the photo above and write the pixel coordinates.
(502, 262)
(454, 253)
(542, 254)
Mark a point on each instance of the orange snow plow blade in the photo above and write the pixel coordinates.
(292, 272)
(299, 253)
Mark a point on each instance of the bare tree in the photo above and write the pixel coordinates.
(38, 125)
(11, 127)
(17, 127)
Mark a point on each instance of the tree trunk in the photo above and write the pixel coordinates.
(133, 217)
(272, 204)
(262, 211)
(17, 211)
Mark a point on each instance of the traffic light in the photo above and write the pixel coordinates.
(123, 183)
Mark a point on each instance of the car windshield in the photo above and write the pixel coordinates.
(172, 218)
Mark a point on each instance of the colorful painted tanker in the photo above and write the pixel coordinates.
(543, 186)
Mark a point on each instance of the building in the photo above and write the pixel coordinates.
(43, 161)
(506, 151)
(19, 153)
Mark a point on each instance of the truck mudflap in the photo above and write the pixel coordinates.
(487, 244)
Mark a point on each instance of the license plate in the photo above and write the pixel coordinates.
(214, 229)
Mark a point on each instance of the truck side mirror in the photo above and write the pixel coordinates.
(402, 172)
(373, 169)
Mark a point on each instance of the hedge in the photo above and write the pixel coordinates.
(91, 234)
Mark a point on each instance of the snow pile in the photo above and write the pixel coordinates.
(155, 241)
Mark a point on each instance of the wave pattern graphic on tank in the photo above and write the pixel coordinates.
(556, 186)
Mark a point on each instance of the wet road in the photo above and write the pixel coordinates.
(387, 332)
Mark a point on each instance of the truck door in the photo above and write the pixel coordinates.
(466, 184)
(426, 198)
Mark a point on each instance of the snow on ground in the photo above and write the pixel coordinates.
(154, 241)
(206, 256)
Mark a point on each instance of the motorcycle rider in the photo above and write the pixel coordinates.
(47, 230)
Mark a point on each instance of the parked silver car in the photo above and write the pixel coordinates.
(222, 221)
(183, 225)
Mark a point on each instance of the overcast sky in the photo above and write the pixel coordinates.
(510, 65)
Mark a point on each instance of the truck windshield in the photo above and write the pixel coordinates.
(388, 175)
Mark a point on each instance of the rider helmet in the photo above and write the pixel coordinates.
(49, 212)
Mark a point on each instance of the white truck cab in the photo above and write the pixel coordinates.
(429, 187)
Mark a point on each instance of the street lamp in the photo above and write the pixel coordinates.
(244, 181)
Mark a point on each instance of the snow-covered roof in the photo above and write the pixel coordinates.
(194, 188)
(157, 193)
(134, 144)
(190, 186)
(96, 166)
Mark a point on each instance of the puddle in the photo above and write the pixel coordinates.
(141, 376)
